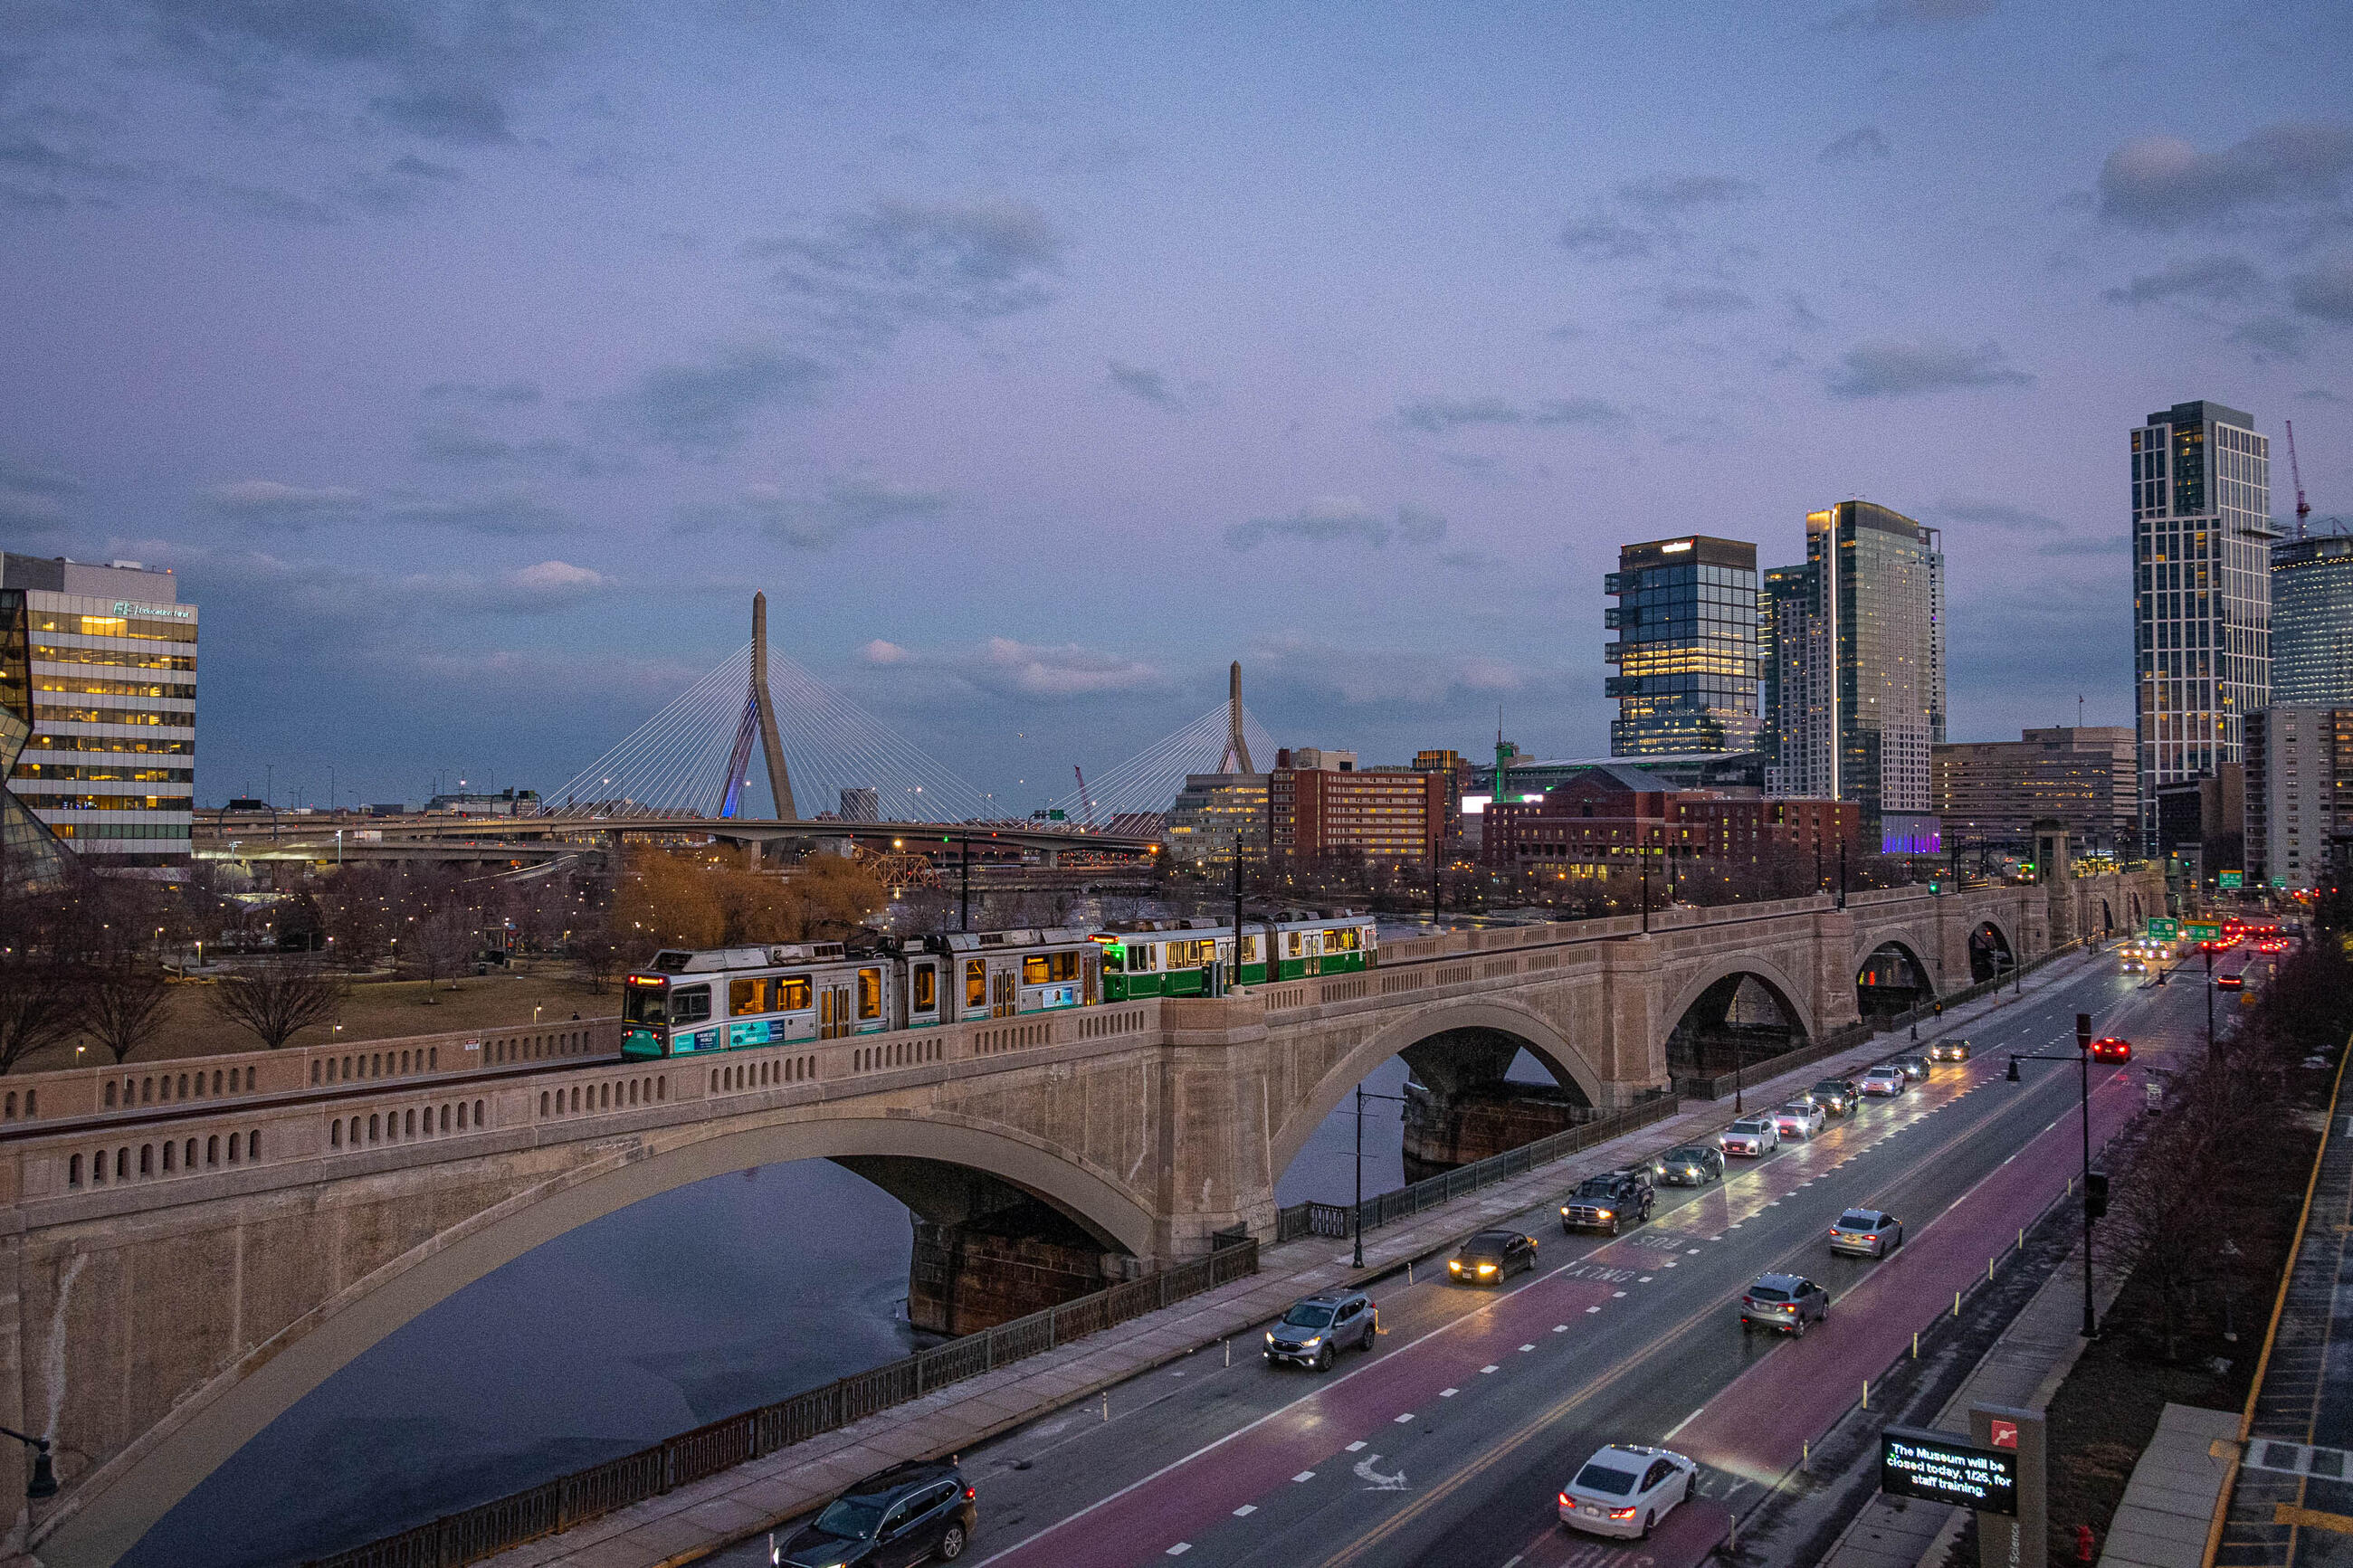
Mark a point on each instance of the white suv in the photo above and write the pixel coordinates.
(1885, 1080)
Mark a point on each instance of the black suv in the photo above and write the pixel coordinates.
(909, 1513)
(1491, 1257)
(1318, 1328)
(1608, 1202)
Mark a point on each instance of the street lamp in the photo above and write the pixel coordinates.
(2095, 1201)
(1358, 1224)
(45, 1478)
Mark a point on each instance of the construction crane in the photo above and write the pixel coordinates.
(1085, 806)
(2303, 507)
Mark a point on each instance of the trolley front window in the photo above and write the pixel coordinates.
(645, 1005)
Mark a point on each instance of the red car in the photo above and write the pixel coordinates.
(2230, 982)
(2109, 1048)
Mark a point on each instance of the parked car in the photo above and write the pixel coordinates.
(1783, 1302)
(909, 1513)
(1751, 1135)
(2110, 1049)
(1491, 1257)
(1626, 1488)
(1916, 1067)
(1837, 1096)
(1885, 1079)
(1949, 1051)
(1692, 1165)
(1319, 1327)
(1798, 1120)
(1609, 1202)
(1866, 1232)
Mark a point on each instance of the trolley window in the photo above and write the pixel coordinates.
(926, 983)
(649, 1006)
(1033, 970)
(1343, 940)
(1044, 968)
(869, 993)
(690, 1004)
(792, 993)
(1140, 959)
(748, 996)
(1291, 943)
(975, 982)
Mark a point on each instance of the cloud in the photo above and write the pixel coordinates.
(1386, 675)
(1003, 666)
(2224, 280)
(704, 409)
(550, 586)
(1150, 385)
(844, 506)
(1890, 368)
(2164, 184)
(418, 168)
(872, 272)
(1888, 13)
(1704, 300)
(2273, 336)
(1441, 414)
(1333, 518)
(460, 438)
(270, 500)
(480, 394)
(511, 514)
(2327, 292)
(1863, 142)
(2317, 394)
(1611, 234)
(33, 500)
(1997, 514)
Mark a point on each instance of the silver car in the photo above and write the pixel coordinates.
(1798, 1119)
(1318, 1328)
(1885, 1079)
(1866, 1232)
(1626, 1488)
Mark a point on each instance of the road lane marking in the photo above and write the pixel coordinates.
(1404, 1418)
(1303, 1476)
(1525, 1348)
(1560, 1328)
(1247, 1510)
(1485, 1369)
(1645, 1279)
(1448, 1393)
(1617, 1295)
(1356, 1446)
(1683, 1422)
(1181, 1548)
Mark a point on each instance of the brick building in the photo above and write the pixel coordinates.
(1321, 803)
(1608, 817)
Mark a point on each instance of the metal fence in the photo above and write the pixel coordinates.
(1853, 1035)
(491, 1528)
(1333, 1219)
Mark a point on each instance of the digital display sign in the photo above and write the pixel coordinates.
(1937, 1466)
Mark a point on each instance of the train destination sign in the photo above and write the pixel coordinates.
(1937, 1466)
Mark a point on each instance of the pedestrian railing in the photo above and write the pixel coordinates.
(1336, 1219)
(491, 1528)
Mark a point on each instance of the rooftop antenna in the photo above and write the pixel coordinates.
(2303, 507)
(1237, 745)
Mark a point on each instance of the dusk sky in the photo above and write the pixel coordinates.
(472, 364)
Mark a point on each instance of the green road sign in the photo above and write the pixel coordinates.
(2231, 879)
(2205, 931)
(2165, 931)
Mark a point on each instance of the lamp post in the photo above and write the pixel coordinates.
(2209, 997)
(45, 1478)
(2093, 1204)
(1357, 1223)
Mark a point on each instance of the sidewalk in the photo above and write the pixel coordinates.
(2169, 1504)
(2023, 1369)
(719, 1512)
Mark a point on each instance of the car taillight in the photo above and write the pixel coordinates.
(970, 1493)
(1565, 1502)
(1622, 1513)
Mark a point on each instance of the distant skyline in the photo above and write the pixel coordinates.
(471, 362)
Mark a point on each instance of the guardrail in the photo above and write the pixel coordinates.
(1831, 1045)
(1334, 1219)
(552, 1507)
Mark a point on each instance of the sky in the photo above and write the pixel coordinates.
(470, 364)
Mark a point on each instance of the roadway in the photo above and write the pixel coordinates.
(1446, 1444)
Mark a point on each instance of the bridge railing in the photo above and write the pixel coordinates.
(488, 1529)
(1334, 1219)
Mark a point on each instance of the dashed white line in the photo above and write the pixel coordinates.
(1356, 1447)
(1486, 1369)
(1645, 1279)
(1181, 1548)
(1404, 1418)
(1526, 1348)
(1247, 1510)
(1448, 1393)
(1617, 1295)
(1560, 1328)
(1303, 1475)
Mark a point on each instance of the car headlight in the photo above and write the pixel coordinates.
(1457, 1268)
(1309, 1344)
(1605, 1213)
(1270, 1336)
(1486, 1269)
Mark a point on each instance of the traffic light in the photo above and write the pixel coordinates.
(2013, 1070)
(2096, 1193)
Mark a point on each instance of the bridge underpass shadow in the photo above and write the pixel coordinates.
(1741, 1022)
(682, 1307)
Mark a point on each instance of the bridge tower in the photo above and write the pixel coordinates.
(1235, 757)
(760, 717)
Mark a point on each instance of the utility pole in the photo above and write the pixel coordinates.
(963, 893)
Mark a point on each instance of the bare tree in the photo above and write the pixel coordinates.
(595, 951)
(41, 1004)
(276, 1001)
(125, 996)
(442, 943)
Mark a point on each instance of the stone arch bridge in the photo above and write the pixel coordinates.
(191, 1246)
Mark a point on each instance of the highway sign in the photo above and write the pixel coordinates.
(2165, 931)
(2204, 931)
(2231, 879)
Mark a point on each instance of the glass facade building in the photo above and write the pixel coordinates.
(110, 763)
(1858, 643)
(2312, 620)
(2202, 592)
(1687, 650)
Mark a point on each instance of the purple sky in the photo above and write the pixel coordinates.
(473, 362)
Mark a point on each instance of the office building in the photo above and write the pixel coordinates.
(109, 685)
(1858, 640)
(2299, 790)
(1614, 815)
(1321, 803)
(1686, 650)
(861, 802)
(1993, 791)
(1211, 812)
(2201, 603)
(2312, 619)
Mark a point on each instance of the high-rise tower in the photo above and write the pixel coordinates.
(2202, 592)
(1686, 647)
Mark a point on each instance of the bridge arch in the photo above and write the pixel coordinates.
(1890, 972)
(111, 1510)
(1786, 994)
(1538, 1037)
(1993, 948)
